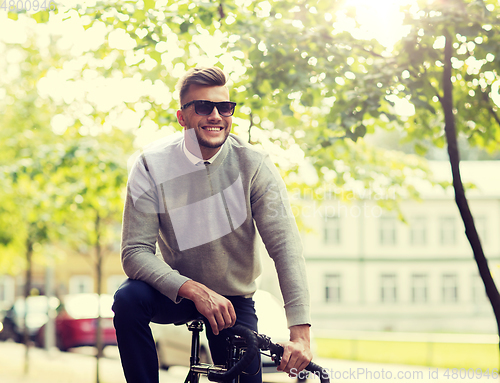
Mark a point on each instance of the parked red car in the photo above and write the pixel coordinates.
(76, 322)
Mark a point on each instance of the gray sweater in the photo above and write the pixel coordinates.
(205, 221)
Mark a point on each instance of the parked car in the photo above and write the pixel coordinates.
(76, 322)
(37, 315)
(173, 343)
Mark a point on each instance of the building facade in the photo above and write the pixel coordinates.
(369, 270)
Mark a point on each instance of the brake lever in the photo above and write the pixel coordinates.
(265, 344)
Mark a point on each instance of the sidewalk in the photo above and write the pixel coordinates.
(79, 367)
(65, 367)
(53, 367)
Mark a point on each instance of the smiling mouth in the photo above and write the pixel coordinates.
(212, 128)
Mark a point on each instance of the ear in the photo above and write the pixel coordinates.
(180, 118)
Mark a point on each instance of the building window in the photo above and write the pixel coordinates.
(388, 288)
(333, 288)
(332, 230)
(419, 288)
(418, 231)
(450, 288)
(478, 290)
(387, 230)
(447, 231)
(79, 284)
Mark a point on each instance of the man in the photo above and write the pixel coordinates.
(199, 198)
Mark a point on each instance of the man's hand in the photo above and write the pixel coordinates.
(297, 354)
(218, 310)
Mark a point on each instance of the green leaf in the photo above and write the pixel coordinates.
(149, 4)
(286, 111)
(41, 17)
(307, 99)
(360, 131)
(184, 27)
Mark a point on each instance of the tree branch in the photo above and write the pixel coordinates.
(440, 98)
(221, 11)
(250, 128)
(362, 48)
(487, 99)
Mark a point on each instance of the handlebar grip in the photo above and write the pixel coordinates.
(322, 373)
(319, 371)
(244, 362)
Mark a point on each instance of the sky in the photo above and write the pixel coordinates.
(380, 19)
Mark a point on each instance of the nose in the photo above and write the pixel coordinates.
(215, 115)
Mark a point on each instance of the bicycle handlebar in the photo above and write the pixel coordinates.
(254, 342)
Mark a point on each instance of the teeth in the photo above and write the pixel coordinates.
(212, 129)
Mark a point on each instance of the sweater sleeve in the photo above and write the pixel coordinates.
(276, 224)
(140, 230)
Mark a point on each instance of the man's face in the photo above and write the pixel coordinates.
(212, 130)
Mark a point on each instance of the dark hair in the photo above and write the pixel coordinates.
(200, 76)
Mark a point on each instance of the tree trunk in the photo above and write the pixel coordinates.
(27, 293)
(98, 264)
(461, 200)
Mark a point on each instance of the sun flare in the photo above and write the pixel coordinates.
(379, 19)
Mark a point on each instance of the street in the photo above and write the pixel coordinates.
(66, 367)
(79, 366)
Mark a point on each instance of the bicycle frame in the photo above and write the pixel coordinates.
(195, 368)
(235, 350)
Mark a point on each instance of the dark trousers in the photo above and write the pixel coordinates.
(137, 304)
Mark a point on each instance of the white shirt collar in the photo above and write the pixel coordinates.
(196, 160)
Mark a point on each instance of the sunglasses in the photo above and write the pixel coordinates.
(205, 108)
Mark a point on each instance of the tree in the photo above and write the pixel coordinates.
(446, 68)
(34, 196)
(28, 159)
(450, 59)
(48, 172)
(289, 91)
(95, 171)
(64, 169)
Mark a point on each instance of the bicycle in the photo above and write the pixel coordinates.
(243, 347)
